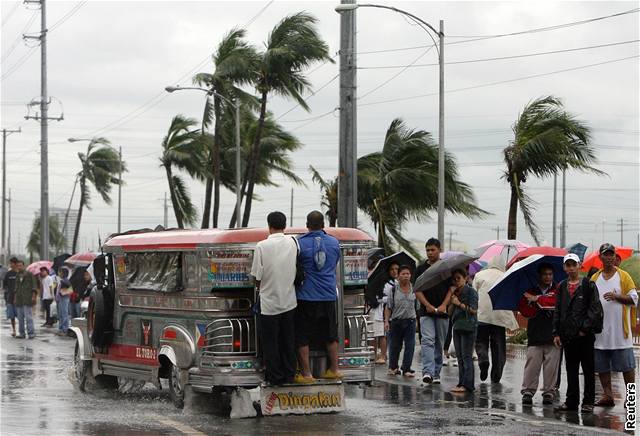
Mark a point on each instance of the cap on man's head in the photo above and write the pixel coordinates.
(607, 247)
(571, 256)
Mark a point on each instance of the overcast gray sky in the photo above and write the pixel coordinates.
(109, 61)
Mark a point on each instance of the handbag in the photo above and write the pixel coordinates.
(465, 323)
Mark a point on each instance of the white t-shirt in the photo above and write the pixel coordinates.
(612, 336)
(378, 312)
(274, 265)
(46, 284)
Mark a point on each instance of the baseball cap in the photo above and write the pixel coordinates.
(607, 247)
(571, 256)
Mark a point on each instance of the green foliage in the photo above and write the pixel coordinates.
(519, 337)
(329, 190)
(632, 266)
(547, 140)
(56, 237)
(400, 183)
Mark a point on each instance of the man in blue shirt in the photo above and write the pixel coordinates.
(316, 313)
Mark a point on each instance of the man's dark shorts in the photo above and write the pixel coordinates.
(316, 322)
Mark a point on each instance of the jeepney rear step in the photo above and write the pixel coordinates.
(324, 396)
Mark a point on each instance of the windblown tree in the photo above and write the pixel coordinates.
(329, 190)
(547, 140)
(234, 61)
(56, 238)
(183, 148)
(292, 46)
(101, 166)
(276, 146)
(400, 183)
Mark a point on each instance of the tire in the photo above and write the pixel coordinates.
(176, 389)
(97, 319)
(81, 369)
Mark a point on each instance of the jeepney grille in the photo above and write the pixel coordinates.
(357, 330)
(224, 337)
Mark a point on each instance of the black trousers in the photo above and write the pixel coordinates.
(46, 305)
(278, 346)
(492, 337)
(579, 352)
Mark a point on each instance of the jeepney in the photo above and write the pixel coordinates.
(177, 304)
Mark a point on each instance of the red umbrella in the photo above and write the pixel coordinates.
(546, 251)
(81, 259)
(592, 260)
(34, 268)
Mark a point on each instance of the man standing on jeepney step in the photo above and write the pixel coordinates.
(316, 313)
(274, 268)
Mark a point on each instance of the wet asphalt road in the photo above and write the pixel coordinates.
(38, 398)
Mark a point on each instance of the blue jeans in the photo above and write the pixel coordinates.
(25, 313)
(402, 331)
(74, 309)
(464, 341)
(63, 311)
(433, 331)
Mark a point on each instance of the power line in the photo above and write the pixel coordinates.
(484, 85)
(10, 13)
(66, 16)
(15, 42)
(500, 58)
(313, 94)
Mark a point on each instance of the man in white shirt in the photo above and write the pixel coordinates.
(614, 346)
(46, 283)
(274, 269)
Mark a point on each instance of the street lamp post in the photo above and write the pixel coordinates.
(119, 178)
(236, 106)
(350, 7)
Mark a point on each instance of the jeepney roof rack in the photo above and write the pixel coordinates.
(158, 228)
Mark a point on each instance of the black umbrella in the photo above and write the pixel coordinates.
(380, 274)
(58, 261)
(373, 256)
(441, 271)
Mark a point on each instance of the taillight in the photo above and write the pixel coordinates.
(346, 342)
(169, 334)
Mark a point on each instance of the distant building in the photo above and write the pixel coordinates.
(60, 213)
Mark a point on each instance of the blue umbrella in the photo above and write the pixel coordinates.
(522, 276)
(579, 249)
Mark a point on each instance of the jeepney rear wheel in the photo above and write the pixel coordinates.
(176, 388)
(81, 368)
(96, 319)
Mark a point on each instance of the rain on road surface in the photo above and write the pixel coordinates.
(39, 398)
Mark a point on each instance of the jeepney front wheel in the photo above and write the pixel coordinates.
(176, 387)
(81, 369)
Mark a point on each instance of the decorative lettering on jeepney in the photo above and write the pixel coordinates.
(148, 353)
(306, 401)
(355, 266)
(183, 303)
(229, 268)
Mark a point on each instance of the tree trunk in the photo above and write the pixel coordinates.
(232, 222)
(253, 161)
(207, 202)
(83, 187)
(216, 163)
(174, 199)
(512, 224)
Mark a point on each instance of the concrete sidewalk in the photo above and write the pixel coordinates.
(505, 396)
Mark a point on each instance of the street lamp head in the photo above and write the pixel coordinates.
(171, 88)
(346, 7)
(73, 139)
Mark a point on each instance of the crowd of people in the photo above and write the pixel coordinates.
(59, 298)
(588, 320)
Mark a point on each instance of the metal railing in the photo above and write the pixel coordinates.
(228, 337)
(358, 330)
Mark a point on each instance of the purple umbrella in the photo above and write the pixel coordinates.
(474, 266)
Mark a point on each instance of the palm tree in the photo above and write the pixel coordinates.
(234, 62)
(293, 45)
(547, 139)
(101, 165)
(57, 241)
(400, 183)
(183, 148)
(276, 145)
(329, 190)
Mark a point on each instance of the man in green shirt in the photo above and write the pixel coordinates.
(24, 300)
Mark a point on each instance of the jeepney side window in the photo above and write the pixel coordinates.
(190, 270)
(160, 271)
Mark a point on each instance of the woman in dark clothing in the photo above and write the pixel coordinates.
(464, 303)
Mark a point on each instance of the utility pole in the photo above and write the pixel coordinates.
(441, 138)
(347, 165)
(603, 222)
(497, 229)
(120, 190)
(555, 206)
(9, 232)
(563, 231)
(5, 133)
(621, 231)
(451, 233)
(166, 212)
(291, 214)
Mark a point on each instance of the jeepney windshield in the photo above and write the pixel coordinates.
(160, 271)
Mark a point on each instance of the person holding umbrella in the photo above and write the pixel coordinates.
(379, 331)
(538, 304)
